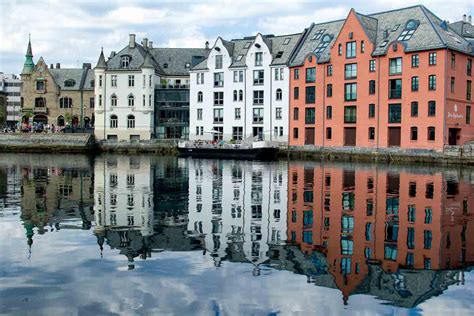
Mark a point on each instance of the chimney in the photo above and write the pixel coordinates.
(58, 66)
(464, 18)
(86, 66)
(150, 45)
(469, 19)
(131, 41)
(207, 45)
(145, 42)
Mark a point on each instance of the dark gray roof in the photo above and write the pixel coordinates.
(370, 26)
(177, 58)
(61, 75)
(137, 56)
(464, 29)
(101, 63)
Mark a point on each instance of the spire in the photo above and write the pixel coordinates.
(148, 62)
(28, 66)
(101, 64)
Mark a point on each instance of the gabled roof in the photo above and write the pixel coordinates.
(136, 54)
(61, 75)
(369, 24)
(176, 59)
(464, 29)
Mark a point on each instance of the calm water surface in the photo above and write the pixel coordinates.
(161, 235)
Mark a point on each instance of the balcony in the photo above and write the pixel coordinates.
(35, 110)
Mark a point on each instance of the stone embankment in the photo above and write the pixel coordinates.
(32, 142)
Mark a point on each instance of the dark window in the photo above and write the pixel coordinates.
(329, 90)
(329, 112)
(453, 60)
(296, 93)
(310, 116)
(414, 109)
(468, 89)
(371, 86)
(371, 110)
(258, 97)
(395, 88)
(412, 189)
(431, 108)
(428, 237)
(329, 70)
(431, 133)
(453, 83)
(339, 50)
(350, 114)
(328, 133)
(295, 133)
(296, 114)
(219, 98)
(311, 74)
(310, 94)
(469, 67)
(258, 77)
(415, 61)
(415, 83)
(350, 92)
(350, 71)
(468, 114)
(411, 238)
(394, 113)
(296, 74)
(432, 59)
(371, 133)
(414, 133)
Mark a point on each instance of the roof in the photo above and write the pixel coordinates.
(76, 74)
(465, 29)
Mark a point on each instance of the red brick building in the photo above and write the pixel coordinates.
(401, 78)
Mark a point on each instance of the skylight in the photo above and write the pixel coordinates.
(239, 57)
(323, 44)
(279, 54)
(247, 45)
(286, 41)
(409, 30)
(384, 43)
(318, 34)
(395, 27)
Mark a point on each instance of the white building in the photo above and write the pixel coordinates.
(242, 89)
(11, 84)
(126, 85)
(243, 206)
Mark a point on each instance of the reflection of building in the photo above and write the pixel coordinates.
(171, 185)
(238, 204)
(368, 220)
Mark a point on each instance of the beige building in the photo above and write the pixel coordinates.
(55, 95)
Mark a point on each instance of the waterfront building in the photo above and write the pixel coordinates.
(401, 78)
(241, 90)
(11, 85)
(55, 95)
(142, 92)
(3, 107)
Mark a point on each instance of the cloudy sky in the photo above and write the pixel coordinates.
(72, 32)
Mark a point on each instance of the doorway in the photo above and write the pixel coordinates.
(309, 136)
(394, 136)
(453, 136)
(350, 136)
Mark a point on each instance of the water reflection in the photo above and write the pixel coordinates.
(400, 235)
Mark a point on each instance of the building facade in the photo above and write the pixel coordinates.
(401, 78)
(11, 85)
(141, 92)
(55, 95)
(241, 90)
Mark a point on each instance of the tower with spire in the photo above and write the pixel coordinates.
(29, 65)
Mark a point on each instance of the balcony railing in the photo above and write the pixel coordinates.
(350, 119)
(394, 93)
(174, 86)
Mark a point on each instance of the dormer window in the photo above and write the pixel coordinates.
(125, 61)
(409, 30)
(247, 45)
(318, 35)
(279, 54)
(165, 65)
(287, 41)
(69, 83)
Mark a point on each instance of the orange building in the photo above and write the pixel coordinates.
(401, 78)
(394, 219)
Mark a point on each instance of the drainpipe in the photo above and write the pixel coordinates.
(445, 96)
(377, 68)
(324, 102)
(104, 99)
(271, 99)
(82, 109)
(245, 106)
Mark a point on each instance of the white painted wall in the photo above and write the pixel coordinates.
(11, 84)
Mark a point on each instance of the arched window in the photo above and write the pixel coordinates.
(61, 120)
(40, 102)
(113, 100)
(125, 61)
(200, 96)
(69, 83)
(131, 100)
(130, 121)
(65, 103)
(235, 95)
(241, 95)
(113, 121)
(279, 94)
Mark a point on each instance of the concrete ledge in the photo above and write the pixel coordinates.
(31, 142)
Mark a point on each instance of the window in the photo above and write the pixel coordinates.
(237, 113)
(200, 78)
(468, 89)
(431, 133)
(415, 83)
(350, 71)
(219, 98)
(296, 93)
(310, 116)
(296, 74)
(395, 66)
(431, 108)
(329, 112)
(218, 79)
(453, 61)
(428, 237)
(130, 121)
(350, 114)
(371, 86)
(40, 102)
(143, 100)
(100, 81)
(279, 95)
(131, 100)
(371, 110)
(311, 74)
(278, 113)
(350, 92)
(310, 95)
(329, 71)
(69, 83)
(278, 74)
(150, 99)
(64, 103)
(432, 59)
(199, 96)
(394, 113)
(125, 61)
(131, 80)
(257, 115)
(339, 49)
(372, 65)
(414, 133)
(295, 133)
(296, 114)
(218, 61)
(237, 132)
(286, 41)
(258, 76)
(468, 114)
(144, 81)
(258, 97)
(113, 121)
(453, 82)
(199, 114)
(409, 30)
(329, 90)
(235, 95)
(395, 88)
(362, 46)
(318, 34)
(100, 99)
(414, 109)
(218, 116)
(432, 82)
(113, 80)
(91, 103)
(415, 61)
(469, 67)
(328, 133)
(241, 95)
(351, 48)
(258, 59)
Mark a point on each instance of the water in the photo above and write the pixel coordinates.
(161, 235)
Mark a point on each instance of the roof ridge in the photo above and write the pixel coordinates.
(423, 9)
(395, 10)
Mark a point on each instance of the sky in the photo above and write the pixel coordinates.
(73, 32)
